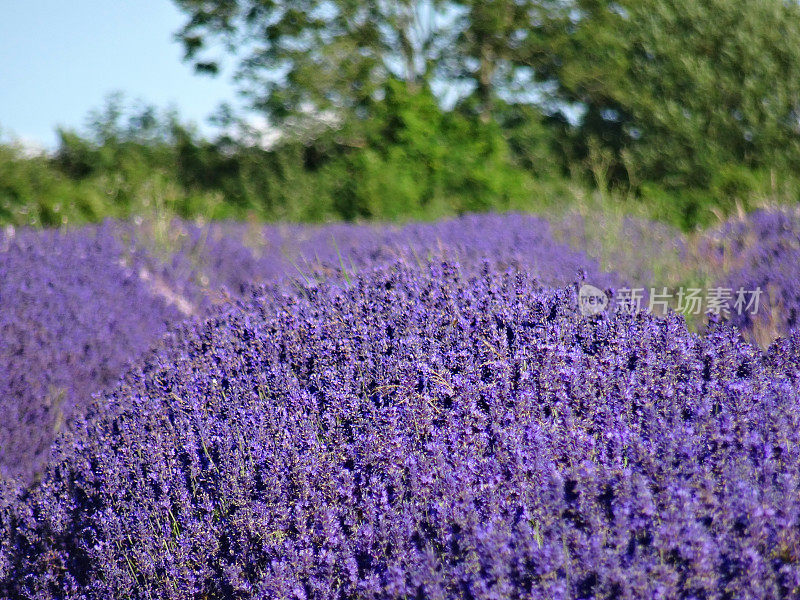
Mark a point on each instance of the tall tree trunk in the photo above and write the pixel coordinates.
(485, 76)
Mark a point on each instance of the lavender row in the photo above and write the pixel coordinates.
(429, 430)
(761, 251)
(76, 307)
(71, 316)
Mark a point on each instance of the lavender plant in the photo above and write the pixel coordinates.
(425, 431)
(388, 412)
(220, 254)
(71, 316)
(76, 306)
(761, 251)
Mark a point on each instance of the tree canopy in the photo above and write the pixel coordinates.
(682, 86)
(393, 109)
(671, 88)
(310, 56)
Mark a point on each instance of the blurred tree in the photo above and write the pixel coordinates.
(419, 161)
(318, 58)
(491, 45)
(329, 58)
(675, 88)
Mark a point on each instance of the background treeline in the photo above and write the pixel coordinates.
(685, 110)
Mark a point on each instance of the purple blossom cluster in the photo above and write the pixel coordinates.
(761, 251)
(412, 411)
(433, 430)
(77, 306)
(72, 313)
(233, 255)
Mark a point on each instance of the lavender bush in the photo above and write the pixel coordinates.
(412, 411)
(76, 306)
(425, 431)
(234, 254)
(71, 316)
(761, 250)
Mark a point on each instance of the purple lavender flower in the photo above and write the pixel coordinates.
(435, 430)
(77, 306)
(761, 252)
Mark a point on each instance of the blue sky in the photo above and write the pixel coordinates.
(59, 59)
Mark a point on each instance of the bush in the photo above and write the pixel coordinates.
(427, 432)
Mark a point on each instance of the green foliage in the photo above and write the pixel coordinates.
(419, 161)
(687, 109)
(733, 189)
(684, 104)
(684, 87)
(299, 60)
(115, 171)
(411, 160)
(32, 192)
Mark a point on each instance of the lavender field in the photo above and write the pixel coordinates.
(232, 410)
